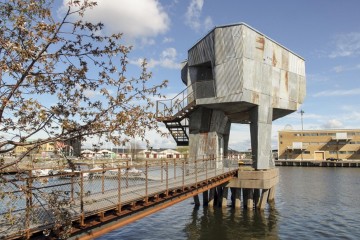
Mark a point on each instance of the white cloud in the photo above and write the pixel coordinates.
(340, 68)
(346, 45)
(330, 93)
(193, 16)
(136, 19)
(168, 40)
(167, 60)
(332, 123)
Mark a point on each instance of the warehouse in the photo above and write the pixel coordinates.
(319, 144)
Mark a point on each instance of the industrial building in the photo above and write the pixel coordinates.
(339, 144)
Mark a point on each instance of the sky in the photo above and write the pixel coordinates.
(326, 33)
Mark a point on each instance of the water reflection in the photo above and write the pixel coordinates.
(227, 223)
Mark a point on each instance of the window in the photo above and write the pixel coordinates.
(306, 152)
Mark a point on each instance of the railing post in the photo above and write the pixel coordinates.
(195, 173)
(222, 163)
(183, 175)
(119, 190)
(214, 160)
(127, 174)
(146, 181)
(102, 180)
(162, 168)
(206, 172)
(28, 203)
(167, 179)
(174, 168)
(72, 187)
(82, 216)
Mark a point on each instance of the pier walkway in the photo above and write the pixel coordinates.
(110, 197)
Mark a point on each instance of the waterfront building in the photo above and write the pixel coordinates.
(331, 144)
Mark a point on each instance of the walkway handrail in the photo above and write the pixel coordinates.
(92, 192)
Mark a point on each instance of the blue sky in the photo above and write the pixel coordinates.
(326, 33)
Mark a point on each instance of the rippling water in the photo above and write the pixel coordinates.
(311, 203)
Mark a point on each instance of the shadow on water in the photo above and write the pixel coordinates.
(209, 223)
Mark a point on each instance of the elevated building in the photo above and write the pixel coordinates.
(234, 74)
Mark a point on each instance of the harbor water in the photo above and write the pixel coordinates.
(311, 203)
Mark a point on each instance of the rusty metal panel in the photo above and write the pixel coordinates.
(268, 52)
(275, 87)
(277, 56)
(293, 87)
(219, 72)
(266, 80)
(284, 85)
(219, 46)
(228, 44)
(285, 60)
(232, 78)
(237, 33)
(203, 51)
(302, 89)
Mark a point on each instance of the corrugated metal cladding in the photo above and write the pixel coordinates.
(203, 51)
(244, 60)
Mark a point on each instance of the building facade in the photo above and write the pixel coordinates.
(319, 144)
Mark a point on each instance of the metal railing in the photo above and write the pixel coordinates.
(170, 107)
(33, 204)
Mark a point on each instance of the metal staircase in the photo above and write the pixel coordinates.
(175, 112)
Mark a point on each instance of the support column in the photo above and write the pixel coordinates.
(224, 197)
(211, 197)
(205, 198)
(264, 197)
(256, 197)
(249, 199)
(196, 200)
(260, 131)
(219, 195)
(237, 198)
(272, 194)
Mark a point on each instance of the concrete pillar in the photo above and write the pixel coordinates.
(256, 197)
(224, 197)
(205, 198)
(249, 199)
(211, 197)
(263, 199)
(237, 197)
(271, 197)
(196, 200)
(219, 195)
(260, 131)
(208, 134)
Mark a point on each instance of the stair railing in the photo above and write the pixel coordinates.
(169, 107)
